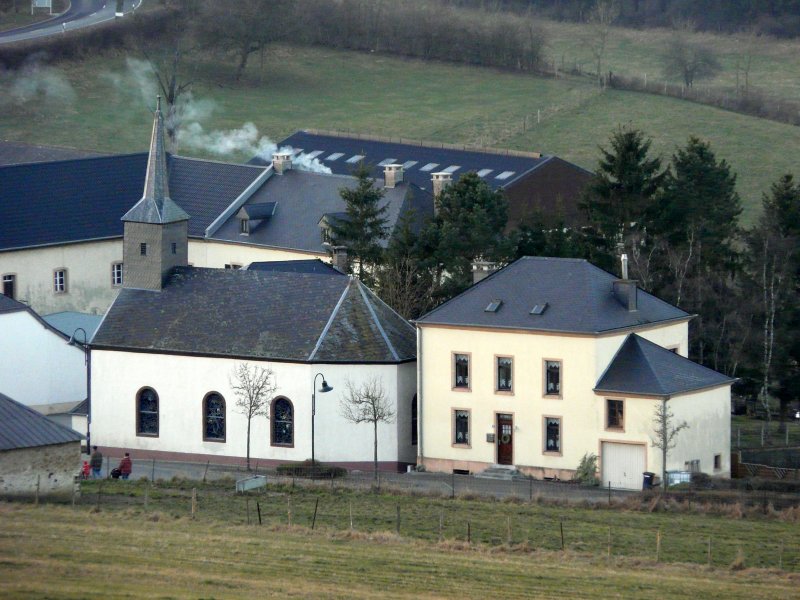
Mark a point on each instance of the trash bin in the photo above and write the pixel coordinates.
(647, 482)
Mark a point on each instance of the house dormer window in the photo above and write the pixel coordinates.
(327, 238)
(143, 249)
(244, 226)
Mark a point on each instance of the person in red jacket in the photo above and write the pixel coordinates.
(125, 466)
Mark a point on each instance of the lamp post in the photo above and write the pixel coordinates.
(324, 388)
(84, 345)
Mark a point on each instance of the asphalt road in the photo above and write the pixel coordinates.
(81, 13)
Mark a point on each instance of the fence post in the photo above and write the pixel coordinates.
(38, 483)
(561, 527)
(441, 525)
(258, 508)
(709, 551)
(508, 530)
(658, 545)
(780, 556)
(289, 508)
(153, 471)
(469, 533)
(146, 495)
(247, 506)
(194, 502)
(609, 492)
(314, 519)
(453, 487)
(351, 515)
(398, 520)
(530, 489)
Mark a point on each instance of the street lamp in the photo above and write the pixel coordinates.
(324, 389)
(84, 345)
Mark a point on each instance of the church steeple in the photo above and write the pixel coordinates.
(156, 229)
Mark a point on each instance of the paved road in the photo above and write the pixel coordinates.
(81, 13)
(436, 483)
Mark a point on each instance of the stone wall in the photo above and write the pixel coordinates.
(55, 468)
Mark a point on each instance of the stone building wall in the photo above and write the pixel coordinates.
(54, 466)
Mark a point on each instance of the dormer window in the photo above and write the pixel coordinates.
(327, 238)
(244, 226)
(143, 249)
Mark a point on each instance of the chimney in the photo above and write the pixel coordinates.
(481, 269)
(281, 162)
(625, 290)
(392, 175)
(340, 258)
(624, 260)
(440, 181)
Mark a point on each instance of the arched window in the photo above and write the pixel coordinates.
(414, 420)
(282, 422)
(147, 412)
(214, 418)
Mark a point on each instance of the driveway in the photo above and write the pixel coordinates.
(81, 13)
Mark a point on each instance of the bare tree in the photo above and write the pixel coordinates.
(688, 60)
(665, 431)
(367, 403)
(254, 387)
(596, 40)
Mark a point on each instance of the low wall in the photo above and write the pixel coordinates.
(50, 468)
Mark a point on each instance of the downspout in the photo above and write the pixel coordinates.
(420, 418)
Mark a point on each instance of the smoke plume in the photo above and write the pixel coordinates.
(35, 82)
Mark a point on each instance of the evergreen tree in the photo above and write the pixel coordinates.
(621, 194)
(364, 226)
(469, 223)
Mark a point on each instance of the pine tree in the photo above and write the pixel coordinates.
(364, 226)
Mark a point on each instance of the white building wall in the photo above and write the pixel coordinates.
(217, 254)
(37, 366)
(182, 382)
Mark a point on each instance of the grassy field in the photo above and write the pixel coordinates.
(325, 89)
(774, 68)
(63, 552)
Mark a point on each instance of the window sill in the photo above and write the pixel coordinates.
(551, 453)
(149, 435)
(504, 392)
(553, 397)
(281, 445)
(460, 389)
(214, 440)
(463, 446)
(615, 429)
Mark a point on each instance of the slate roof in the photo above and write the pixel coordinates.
(23, 427)
(302, 198)
(68, 322)
(642, 367)
(299, 317)
(375, 152)
(83, 199)
(579, 299)
(18, 153)
(314, 265)
(10, 305)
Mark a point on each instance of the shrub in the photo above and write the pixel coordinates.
(309, 469)
(586, 473)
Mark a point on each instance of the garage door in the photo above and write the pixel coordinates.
(623, 465)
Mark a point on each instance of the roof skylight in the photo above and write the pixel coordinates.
(505, 175)
(539, 308)
(484, 172)
(387, 161)
(451, 169)
(355, 158)
(335, 156)
(429, 167)
(493, 306)
(409, 163)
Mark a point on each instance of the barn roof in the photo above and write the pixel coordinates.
(23, 427)
(252, 314)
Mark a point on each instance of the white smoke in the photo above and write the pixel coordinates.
(188, 114)
(245, 140)
(35, 82)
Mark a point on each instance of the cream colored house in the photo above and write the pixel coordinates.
(550, 359)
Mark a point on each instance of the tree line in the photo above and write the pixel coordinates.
(677, 222)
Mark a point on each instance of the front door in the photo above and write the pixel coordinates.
(505, 443)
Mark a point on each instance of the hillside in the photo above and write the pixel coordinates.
(327, 89)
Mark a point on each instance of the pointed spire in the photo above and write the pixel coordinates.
(156, 205)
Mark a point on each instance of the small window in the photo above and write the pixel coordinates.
(143, 249)
(552, 378)
(717, 462)
(174, 247)
(60, 281)
(326, 235)
(505, 369)
(10, 286)
(493, 306)
(147, 412)
(693, 466)
(116, 274)
(552, 434)
(461, 368)
(539, 309)
(461, 429)
(244, 226)
(233, 266)
(615, 414)
(214, 418)
(414, 421)
(282, 422)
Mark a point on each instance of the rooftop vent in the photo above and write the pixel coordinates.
(493, 306)
(539, 308)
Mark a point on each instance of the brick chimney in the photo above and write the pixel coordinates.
(340, 258)
(440, 181)
(392, 175)
(281, 162)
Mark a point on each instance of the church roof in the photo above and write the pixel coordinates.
(642, 367)
(155, 205)
(260, 315)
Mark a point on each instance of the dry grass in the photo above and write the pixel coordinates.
(60, 552)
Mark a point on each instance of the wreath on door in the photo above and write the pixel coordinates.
(505, 438)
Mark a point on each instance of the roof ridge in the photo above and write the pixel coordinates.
(377, 322)
(327, 327)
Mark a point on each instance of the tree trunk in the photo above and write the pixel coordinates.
(375, 430)
(248, 442)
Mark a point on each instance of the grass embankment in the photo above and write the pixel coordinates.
(684, 533)
(54, 551)
(325, 89)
